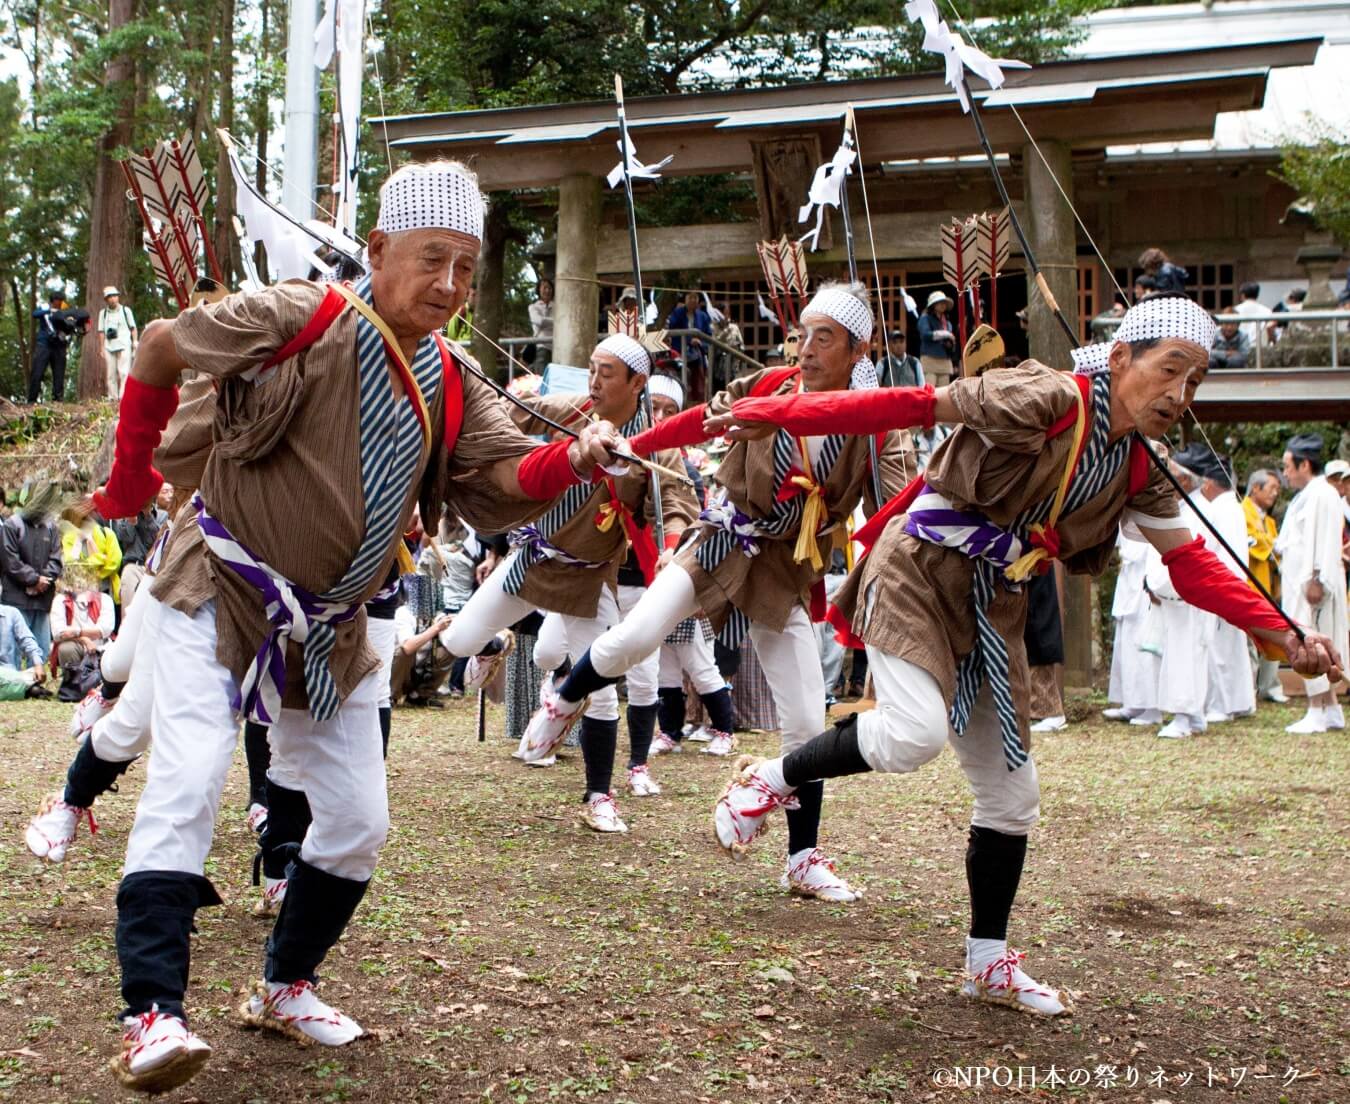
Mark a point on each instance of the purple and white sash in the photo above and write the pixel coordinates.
(291, 609)
(934, 519)
(992, 549)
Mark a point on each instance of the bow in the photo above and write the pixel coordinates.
(939, 39)
(625, 171)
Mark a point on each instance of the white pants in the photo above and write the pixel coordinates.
(790, 659)
(115, 663)
(337, 763)
(383, 637)
(909, 727)
(116, 368)
(562, 637)
(694, 659)
(550, 645)
(484, 615)
(642, 677)
(122, 734)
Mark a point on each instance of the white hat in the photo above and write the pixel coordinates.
(1151, 319)
(432, 195)
(110, 290)
(936, 297)
(1336, 469)
(668, 387)
(845, 308)
(629, 351)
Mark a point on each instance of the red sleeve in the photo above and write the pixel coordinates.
(545, 472)
(1202, 580)
(859, 412)
(680, 431)
(142, 416)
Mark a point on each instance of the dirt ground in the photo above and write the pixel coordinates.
(1191, 896)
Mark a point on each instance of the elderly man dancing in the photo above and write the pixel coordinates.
(1042, 465)
(337, 405)
(757, 556)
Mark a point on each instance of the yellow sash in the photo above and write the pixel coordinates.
(814, 511)
(1021, 569)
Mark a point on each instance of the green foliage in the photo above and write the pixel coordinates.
(1317, 166)
(51, 128)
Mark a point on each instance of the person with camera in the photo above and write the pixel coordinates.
(117, 340)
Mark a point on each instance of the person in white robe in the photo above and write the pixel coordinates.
(1309, 546)
(1232, 691)
(1183, 682)
(1134, 668)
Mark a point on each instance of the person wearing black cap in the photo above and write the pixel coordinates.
(1309, 546)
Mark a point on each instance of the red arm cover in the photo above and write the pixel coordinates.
(546, 472)
(859, 412)
(679, 431)
(1203, 581)
(141, 418)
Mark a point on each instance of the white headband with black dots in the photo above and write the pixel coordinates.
(432, 196)
(1150, 320)
(628, 351)
(668, 387)
(848, 310)
(856, 317)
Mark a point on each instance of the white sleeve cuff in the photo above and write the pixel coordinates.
(1132, 521)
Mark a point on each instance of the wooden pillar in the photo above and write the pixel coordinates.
(1054, 237)
(576, 295)
(487, 315)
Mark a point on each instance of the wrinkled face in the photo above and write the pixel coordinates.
(663, 408)
(1266, 495)
(614, 388)
(1151, 390)
(1297, 473)
(421, 278)
(826, 354)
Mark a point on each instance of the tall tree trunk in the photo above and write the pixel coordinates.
(109, 216)
(491, 285)
(21, 329)
(223, 238)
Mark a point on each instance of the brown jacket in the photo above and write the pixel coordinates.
(575, 591)
(766, 586)
(999, 461)
(284, 471)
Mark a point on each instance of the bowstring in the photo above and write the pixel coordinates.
(1078, 218)
(279, 176)
(379, 90)
(876, 269)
